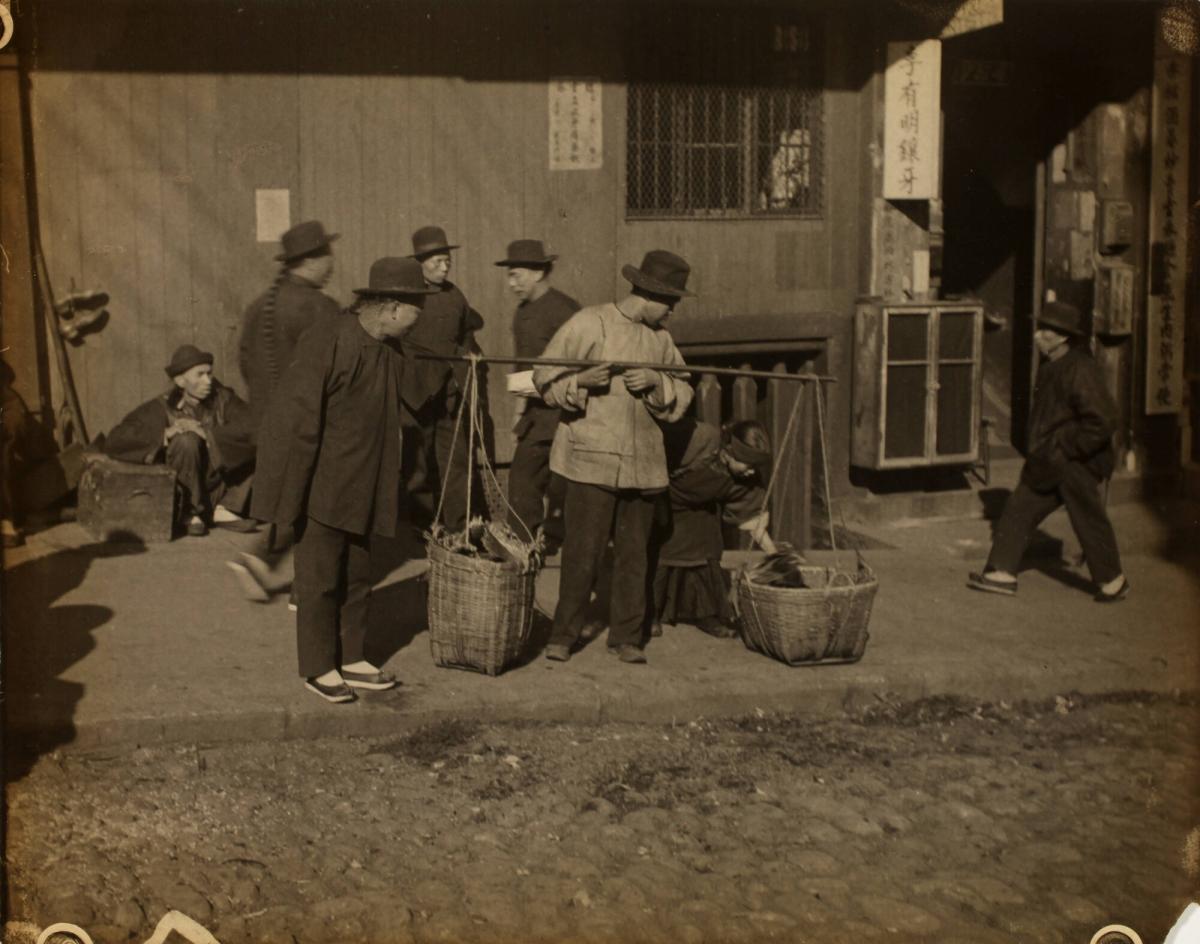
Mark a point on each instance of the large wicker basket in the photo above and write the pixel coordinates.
(480, 611)
(823, 622)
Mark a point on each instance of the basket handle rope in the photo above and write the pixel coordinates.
(492, 488)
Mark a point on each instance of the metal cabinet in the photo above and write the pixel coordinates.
(917, 384)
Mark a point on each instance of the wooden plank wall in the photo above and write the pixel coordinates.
(148, 175)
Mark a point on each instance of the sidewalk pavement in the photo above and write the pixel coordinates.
(109, 646)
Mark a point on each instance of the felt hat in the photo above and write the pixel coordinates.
(526, 254)
(185, 358)
(661, 273)
(1063, 317)
(430, 240)
(303, 239)
(395, 277)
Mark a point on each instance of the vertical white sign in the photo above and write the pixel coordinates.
(273, 214)
(576, 125)
(912, 117)
(1168, 233)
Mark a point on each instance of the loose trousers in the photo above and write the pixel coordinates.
(592, 514)
(1026, 508)
(203, 487)
(333, 574)
(530, 483)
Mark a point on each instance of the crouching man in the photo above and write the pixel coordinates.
(202, 430)
(329, 466)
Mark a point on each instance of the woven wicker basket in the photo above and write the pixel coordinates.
(480, 613)
(824, 622)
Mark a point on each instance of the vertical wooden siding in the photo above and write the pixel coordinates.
(148, 177)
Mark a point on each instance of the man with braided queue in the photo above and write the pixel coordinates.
(271, 328)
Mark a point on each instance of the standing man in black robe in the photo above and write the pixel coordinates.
(433, 389)
(329, 465)
(541, 311)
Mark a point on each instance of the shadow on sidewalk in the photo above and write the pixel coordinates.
(42, 640)
(399, 610)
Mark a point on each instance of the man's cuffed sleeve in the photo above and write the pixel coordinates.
(669, 401)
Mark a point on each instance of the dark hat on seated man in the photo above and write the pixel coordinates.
(304, 239)
(1063, 317)
(429, 241)
(185, 358)
(395, 277)
(526, 254)
(661, 273)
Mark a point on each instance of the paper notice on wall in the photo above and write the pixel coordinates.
(974, 15)
(920, 272)
(912, 120)
(1166, 303)
(576, 124)
(273, 213)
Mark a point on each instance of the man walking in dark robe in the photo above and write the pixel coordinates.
(271, 328)
(202, 430)
(329, 465)
(541, 311)
(433, 389)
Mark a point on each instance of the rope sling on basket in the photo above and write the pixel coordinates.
(481, 579)
(825, 620)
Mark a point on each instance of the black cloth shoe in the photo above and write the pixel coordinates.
(556, 652)
(627, 653)
(1116, 596)
(338, 694)
(714, 627)
(988, 585)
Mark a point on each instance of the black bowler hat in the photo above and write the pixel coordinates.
(430, 240)
(185, 358)
(395, 277)
(661, 273)
(526, 254)
(1063, 317)
(304, 239)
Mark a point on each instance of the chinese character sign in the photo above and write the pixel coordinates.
(576, 123)
(1168, 229)
(912, 118)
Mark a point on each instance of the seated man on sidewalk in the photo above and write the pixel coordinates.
(1070, 455)
(202, 430)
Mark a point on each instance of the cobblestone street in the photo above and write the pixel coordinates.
(940, 820)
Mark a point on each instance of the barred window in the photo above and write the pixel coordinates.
(727, 149)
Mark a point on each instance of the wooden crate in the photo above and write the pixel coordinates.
(125, 501)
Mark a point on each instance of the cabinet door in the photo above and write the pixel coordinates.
(906, 381)
(957, 356)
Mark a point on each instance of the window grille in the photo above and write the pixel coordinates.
(730, 148)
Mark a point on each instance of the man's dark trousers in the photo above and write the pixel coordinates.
(530, 481)
(334, 568)
(592, 513)
(1079, 490)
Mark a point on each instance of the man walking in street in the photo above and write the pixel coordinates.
(609, 446)
(541, 311)
(329, 465)
(1071, 454)
(432, 389)
(271, 328)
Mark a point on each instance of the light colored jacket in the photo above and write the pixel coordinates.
(612, 438)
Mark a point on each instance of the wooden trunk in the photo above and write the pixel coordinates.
(121, 501)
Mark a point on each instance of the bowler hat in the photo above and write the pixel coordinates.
(661, 273)
(303, 239)
(395, 277)
(185, 358)
(429, 240)
(526, 253)
(1063, 317)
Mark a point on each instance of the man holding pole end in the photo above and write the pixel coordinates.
(609, 446)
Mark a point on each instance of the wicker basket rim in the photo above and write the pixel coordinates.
(753, 587)
(448, 558)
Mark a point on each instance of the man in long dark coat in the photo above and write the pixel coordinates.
(541, 311)
(201, 429)
(1071, 454)
(433, 389)
(329, 465)
(271, 327)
